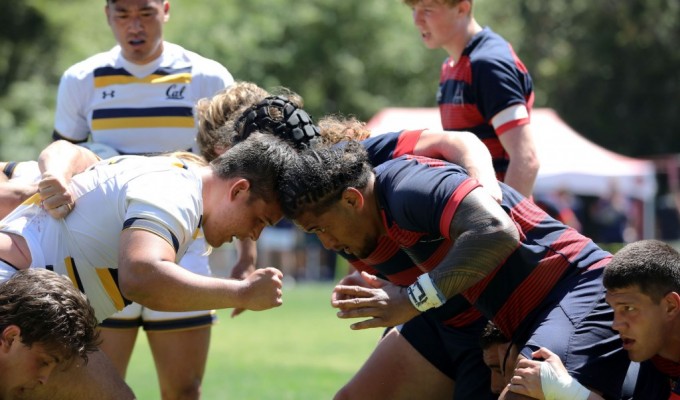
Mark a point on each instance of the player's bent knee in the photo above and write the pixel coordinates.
(190, 391)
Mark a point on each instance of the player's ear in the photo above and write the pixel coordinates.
(353, 197)
(8, 336)
(671, 301)
(464, 7)
(240, 186)
(166, 11)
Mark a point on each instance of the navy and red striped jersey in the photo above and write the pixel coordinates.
(419, 196)
(389, 261)
(487, 79)
(387, 146)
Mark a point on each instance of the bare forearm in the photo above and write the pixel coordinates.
(171, 288)
(12, 194)
(521, 175)
(518, 142)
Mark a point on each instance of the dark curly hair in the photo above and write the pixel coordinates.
(318, 177)
(49, 310)
(491, 335)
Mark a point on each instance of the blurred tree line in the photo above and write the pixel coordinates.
(609, 67)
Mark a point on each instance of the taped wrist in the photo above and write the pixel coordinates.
(424, 294)
(557, 387)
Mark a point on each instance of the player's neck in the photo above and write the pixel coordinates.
(457, 46)
(671, 349)
(375, 213)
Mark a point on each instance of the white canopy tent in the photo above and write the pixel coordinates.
(568, 160)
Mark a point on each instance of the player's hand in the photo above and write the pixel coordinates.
(384, 303)
(526, 378)
(54, 195)
(353, 279)
(262, 289)
(241, 271)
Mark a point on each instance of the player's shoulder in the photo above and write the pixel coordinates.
(199, 63)
(491, 50)
(88, 65)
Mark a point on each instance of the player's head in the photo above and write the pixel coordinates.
(137, 26)
(643, 286)
(216, 116)
(40, 309)
(450, 3)
(442, 23)
(280, 116)
(248, 201)
(494, 348)
(652, 265)
(325, 192)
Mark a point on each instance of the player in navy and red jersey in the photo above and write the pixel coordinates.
(661, 369)
(484, 87)
(283, 117)
(461, 360)
(537, 279)
(643, 287)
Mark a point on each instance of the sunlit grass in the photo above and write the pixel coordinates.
(298, 351)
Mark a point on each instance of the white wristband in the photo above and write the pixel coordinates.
(424, 294)
(563, 387)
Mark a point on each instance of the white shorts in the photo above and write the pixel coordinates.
(135, 315)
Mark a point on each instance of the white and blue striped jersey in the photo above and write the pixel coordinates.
(137, 109)
(157, 194)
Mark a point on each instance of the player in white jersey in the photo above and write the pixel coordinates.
(135, 216)
(136, 108)
(138, 98)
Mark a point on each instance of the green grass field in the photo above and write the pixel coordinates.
(300, 350)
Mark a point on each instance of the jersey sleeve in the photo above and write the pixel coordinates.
(70, 120)
(499, 83)
(391, 145)
(153, 204)
(422, 194)
(214, 77)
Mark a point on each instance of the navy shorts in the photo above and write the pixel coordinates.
(577, 327)
(454, 351)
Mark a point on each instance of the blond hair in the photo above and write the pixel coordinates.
(336, 128)
(216, 116)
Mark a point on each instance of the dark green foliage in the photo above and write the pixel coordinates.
(608, 67)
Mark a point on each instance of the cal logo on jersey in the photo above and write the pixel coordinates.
(117, 84)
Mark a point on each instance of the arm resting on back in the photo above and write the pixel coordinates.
(484, 237)
(58, 163)
(462, 148)
(65, 159)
